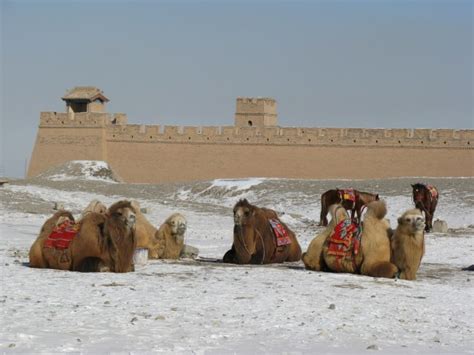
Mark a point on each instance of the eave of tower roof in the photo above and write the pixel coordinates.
(89, 93)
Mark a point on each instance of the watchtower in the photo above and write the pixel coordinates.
(256, 112)
(85, 99)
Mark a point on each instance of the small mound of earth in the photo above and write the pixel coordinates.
(96, 170)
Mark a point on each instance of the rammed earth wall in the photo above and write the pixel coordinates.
(153, 154)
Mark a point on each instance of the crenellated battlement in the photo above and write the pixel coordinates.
(81, 119)
(293, 136)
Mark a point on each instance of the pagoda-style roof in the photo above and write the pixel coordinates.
(85, 93)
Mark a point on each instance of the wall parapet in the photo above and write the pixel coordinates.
(81, 119)
(440, 138)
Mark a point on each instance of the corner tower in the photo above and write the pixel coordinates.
(256, 112)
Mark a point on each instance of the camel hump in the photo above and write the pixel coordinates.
(378, 209)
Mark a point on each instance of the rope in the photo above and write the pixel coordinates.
(243, 241)
(263, 246)
(245, 245)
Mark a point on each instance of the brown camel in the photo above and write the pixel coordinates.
(260, 237)
(103, 242)
(372, 258)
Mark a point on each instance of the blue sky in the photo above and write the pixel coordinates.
(327, 63)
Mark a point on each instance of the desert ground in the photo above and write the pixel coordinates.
(190, 306)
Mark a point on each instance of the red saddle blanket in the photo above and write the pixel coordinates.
(347, 195)
(344, 241)
(432, 190)
(62, 235)
(281, 234)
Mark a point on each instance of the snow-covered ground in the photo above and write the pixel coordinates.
(195, 307)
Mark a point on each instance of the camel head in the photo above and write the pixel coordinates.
(244, 213)
(178, 225)
(124, 212)
(412, 221)
(120, 238)
(245, 237)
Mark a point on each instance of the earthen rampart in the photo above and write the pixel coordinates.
(254, 146)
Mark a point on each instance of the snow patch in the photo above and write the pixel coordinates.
(94, 170)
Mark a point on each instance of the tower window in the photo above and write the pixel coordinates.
(250, 123)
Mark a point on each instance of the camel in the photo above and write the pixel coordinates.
(408, 243)
(371, 258)
(167, 242)
(351, 199)
(170, 237)
(260, 237)
(102, 242)
(313, 258)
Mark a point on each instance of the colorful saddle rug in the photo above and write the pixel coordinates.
(433, 191)
(344, 243)
(281, 234)
(62, 235)
(347, 195)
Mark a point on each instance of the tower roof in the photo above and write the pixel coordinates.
(89, 93)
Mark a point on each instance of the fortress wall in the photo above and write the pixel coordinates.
(153, 153)
(62, 137)
(55, 146)
(169, 162)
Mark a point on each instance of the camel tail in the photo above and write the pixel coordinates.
(378, 209)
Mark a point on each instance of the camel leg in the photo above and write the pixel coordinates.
(313, 258)
(295, 252)
(408, 274)
(36, 256)
(229, 257)
(380, 269)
